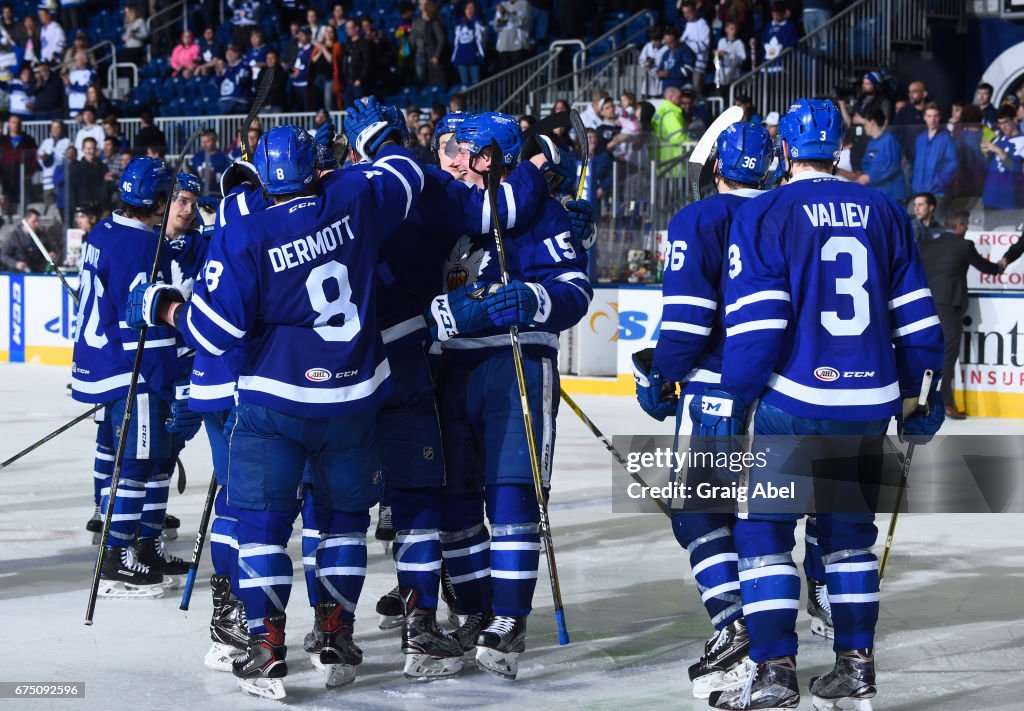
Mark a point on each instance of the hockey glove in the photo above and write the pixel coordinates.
(657, 396)
(367, 127)
(581, 216)
(718, 414)
(183, 421)
(921, 425)
(237, 173)
(325, 135)
(518, 304)
(460, 312)
(558, 167)
(144, 303)
(209, 203)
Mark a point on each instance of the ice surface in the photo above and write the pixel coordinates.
(950, 635)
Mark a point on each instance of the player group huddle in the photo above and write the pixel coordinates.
(353, 334)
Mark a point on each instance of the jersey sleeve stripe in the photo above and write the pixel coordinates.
(413, 164)
(915, 326)
(569, 276)
(685, 327)
(101, 386)
(769, 295)
(211, 392)
(216, 318)
(766, 324)
(907, 298)
(159, 343)
(510, 205)
(690, 301)
(834, 397)
(200, 338)
(405, 184)
(701, 375)
(296, 393)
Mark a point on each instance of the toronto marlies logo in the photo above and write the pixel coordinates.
(465, 263)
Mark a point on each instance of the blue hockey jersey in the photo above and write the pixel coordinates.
(828, 313)
(294, 284)
(689, 348)
(119, 255)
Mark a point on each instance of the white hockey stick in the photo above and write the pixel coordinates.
(702, 151)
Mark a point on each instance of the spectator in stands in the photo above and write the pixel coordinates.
(412, 119)
(185, 56)
(815, 15)
(468, 46)
(935, 164)
(77, 81)
(908, 121)
(95, 97)
(609, 127)
(776, 37)
(80, 43)
(210, 50)
(381, 55)
(924, 223)
(209, 162)
(953, 122)
(882, 160)
(19, 252)
(17, 149)
(971, 163)
(88, 128)
(299, 83)
(983, 99)
(457, 101)
(9, 24)
(731, 53)
(337, 19)
(868, 102)
(51, 37)
(134, 36)
(244, 17)
(30, 40)
(277, 93)
(235, 81)
(111, 156)
(676, 68)
(86, 217)
(561, 135)
(740, 12)
(697, 36)
(256, 56)
(401, 39)
(650, 61)
(695, 117)
(591, 116)
(316, 28)
(749, 110)
(9, 59)
(328, 65)
(1003, 196)
(512, 23)
(598, 182)
(49, 154)
(111, 129)
(421, 146)
(540, 12)
(669, 126)
(149, 134)
(48, 94)
(358, 64)
(62, 175)
(20, 90)
(429, 39)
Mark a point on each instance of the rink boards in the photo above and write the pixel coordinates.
(37, 325)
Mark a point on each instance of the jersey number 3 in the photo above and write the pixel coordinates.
(852, 286)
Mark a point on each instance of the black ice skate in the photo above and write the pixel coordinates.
(153, 552)
(724, 664)
(339, 654)
(820, 610)
(852, 680)
(263, 665)
(499, 645)
(474, 624)
(123, 575)
(313, 643)
(385, 532)
(95, 526)
(429, 652)
(228, 631)
(171, 526)
(456, 615)
(770, 686)
(390, 609)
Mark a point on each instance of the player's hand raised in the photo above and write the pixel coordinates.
(368, 127)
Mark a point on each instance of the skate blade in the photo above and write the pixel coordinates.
(423, 667)
(847, 703)
(220, 656)
(127, 591)
(263, 688)
(734, 678)
(820, 629)
(173, 582)
(97, 536)
(336, 675)
(314, 657)
(503, 664)
(456, 620)
(169, 534)
(389, 622)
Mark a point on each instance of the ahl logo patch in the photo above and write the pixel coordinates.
(318, 375)
(827, 374)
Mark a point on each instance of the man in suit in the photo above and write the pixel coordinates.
(946, 258)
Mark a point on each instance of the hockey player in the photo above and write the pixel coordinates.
(822, 272)
(689, 351)
(444, 131)
(295, 289)
(486, 455)
(121, 250)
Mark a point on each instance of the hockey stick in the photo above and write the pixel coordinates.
(39, 443)
(921, 409)
(493, 186)
(266, 76)
(197, 549)
(133, 385)
(546, 125)
(49, 260)
(702, 151)
(584, 149)
(662, 506)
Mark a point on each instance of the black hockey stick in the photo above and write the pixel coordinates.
(548, 124)
(583, 147)
(133, 385)
(698, 163)
(266, 76)
(197, 549)
(49, 260)
(920, 409)
(40, 442)
(493, 186)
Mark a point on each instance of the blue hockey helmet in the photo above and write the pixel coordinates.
(812, 130)
(186, 182)
(745, 151)
(445, 125)
(325, 159)
(478, 131)
(285, 160)
(143, 181)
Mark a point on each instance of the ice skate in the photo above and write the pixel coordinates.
(499, 645)
(263, 666)
(95, 526)
(123, 575)
(385, 532)
(819, 609)
(339, 654)
(724, 664)
(389, 607)
(850, 684)
(456, 616)
(429, 652)
(471, 628)
(228, 631)
(153, 552)
(314, 642)
(770, 686)
(171, 526)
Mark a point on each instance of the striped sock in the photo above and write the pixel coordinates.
(467, 555)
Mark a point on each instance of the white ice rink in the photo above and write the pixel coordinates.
(951, 633)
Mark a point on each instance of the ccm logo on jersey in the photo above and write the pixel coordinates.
(318, 375)
(716, 406)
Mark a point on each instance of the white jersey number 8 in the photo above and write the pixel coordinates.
(852, 286)
(327, 309)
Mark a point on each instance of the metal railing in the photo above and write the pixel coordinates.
(955, 10)
(638, 36)
(164, 19)
(858, 39)
(504, 86)
(617, 72)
